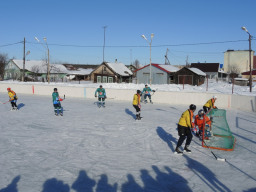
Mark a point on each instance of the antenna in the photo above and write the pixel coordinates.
(167, 62)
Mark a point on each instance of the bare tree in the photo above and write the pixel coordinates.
(3, 62)
(136, 64)
(234, 69)
(35, 69)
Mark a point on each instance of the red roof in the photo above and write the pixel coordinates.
(248, 72)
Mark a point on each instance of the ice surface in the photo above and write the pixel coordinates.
(105, 149)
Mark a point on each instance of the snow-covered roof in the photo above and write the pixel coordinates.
(80, 71)
(241, 79)
(166, 68)
(197, 71)
(120, 69)
(41, 66)
(169, 68)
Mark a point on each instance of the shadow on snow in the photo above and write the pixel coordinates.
(129, 112)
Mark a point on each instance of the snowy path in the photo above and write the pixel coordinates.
(96, 149)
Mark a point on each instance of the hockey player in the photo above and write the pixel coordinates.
(101, 96)
(56, 102)
(136, 104)
(12, 98)
(184, 126)
(146, 92)
(201, 121)
(210, 104)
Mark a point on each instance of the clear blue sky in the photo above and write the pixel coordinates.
(77, 25)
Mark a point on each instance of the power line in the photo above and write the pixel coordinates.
(130, 46)
(11, 44)
(120, 46)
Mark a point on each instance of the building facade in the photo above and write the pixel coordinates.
(237, 61)
(160, 74)
(34, 71)
(191, 76)
(111, 73)
(210, 69)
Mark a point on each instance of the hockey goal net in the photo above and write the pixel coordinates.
(218, 134)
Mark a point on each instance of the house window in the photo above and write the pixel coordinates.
(110, 79)
(98, 79)
(104, 79)
(104, 68)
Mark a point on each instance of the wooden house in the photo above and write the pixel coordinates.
(191, 76)
(111, 73)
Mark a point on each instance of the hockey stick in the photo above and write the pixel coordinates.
(5, 102)
(154, 92)
(217, 158)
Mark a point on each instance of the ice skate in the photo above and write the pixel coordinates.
(186, 149)
(178, 151)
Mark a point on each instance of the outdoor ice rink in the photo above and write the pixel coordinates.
(105, 149)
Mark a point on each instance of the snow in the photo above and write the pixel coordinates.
(197, 71)
(220, 87)
(120, 69)
(105, 149)
(80, 71)
(169, 68)
(58, 68)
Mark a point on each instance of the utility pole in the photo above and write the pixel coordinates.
(131, 56)
(250, 62)
(250, 55)
(104, 42)
(187, 61)
(24, 60)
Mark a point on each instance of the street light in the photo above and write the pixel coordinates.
(143, 36)
(250, 63)
(48, 63)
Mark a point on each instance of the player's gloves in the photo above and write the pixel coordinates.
(154, 91)
(95, 95)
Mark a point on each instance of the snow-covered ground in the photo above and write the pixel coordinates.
(105, 149)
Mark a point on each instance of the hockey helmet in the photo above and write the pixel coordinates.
(214, 97)
(138, 91)
(201, 113)
(55, 89)
(192, 107)
(100, 86)
(8, 89)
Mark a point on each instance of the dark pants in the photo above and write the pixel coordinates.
(137, 108)
(57, 108)
(147, 95)
(206, 109)
(13, 103)
(184, 132)
(101, 99)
